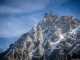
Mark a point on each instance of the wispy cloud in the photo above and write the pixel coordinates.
(59, 1)
(22, 6)
(14, 26)
(66, 12)
(19, 16)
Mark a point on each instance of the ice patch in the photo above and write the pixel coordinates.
(61, 36)
(34, 50)
(35, 27)
(44, 29)
(53, 45)
(44, 19)
(73, 31)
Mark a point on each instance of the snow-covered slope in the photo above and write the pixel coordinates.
(53, 38)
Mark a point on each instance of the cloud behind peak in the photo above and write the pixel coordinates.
(22, 6)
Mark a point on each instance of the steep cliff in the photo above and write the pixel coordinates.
(53, 38)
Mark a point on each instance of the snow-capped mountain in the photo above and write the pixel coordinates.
(53, 38)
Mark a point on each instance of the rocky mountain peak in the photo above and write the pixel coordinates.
(53, 38)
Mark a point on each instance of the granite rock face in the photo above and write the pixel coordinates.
(53, 38)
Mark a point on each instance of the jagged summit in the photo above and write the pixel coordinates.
(53, 38)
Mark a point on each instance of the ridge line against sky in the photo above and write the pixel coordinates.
(26, 10)
(19, 16)
(19, 11)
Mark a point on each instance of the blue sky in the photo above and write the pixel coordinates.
(19, 16)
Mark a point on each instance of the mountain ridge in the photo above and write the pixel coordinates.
(53, 38)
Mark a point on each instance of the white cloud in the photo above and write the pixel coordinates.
(65, 12)
(7, 9)
(11, 29)
(23, 6)
(26, 6)
(57, 3)
(15, 27)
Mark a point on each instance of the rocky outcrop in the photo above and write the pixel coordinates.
(53, 38)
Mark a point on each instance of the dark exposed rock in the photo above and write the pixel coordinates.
(53, 38)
